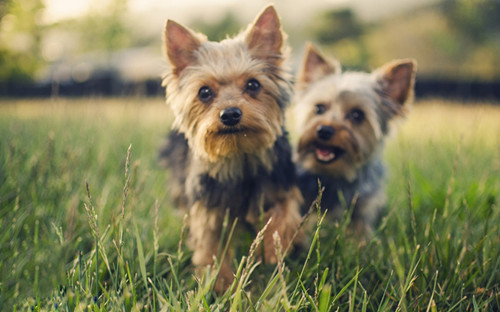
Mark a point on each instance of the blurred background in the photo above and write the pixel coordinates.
(52, 48)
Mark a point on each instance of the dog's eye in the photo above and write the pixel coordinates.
(205, 94)
(356, 116)
(320, 109)
(252, 86)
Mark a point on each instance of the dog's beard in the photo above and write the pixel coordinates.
(339, 157)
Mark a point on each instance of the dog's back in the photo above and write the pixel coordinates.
(174, 155)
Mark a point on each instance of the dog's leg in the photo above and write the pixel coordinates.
(285, 214)
(366, 212)
(205, 235)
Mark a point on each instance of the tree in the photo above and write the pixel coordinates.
(341, 31)
(332, 26)
(20, 40)
(103, 30)
(477, 20)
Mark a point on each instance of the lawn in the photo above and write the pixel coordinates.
(86, 223)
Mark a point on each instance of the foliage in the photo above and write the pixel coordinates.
(20, 38)
(450, 39)
(86, 223)
(441, 51)
(105, 30)
(341, 31)
(477, 20)
(24, 34)
(335, 25)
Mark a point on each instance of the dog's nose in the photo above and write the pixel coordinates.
(325, 132)
(230, 116)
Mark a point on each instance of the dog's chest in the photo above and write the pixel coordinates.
(237, 196)
(339, 192)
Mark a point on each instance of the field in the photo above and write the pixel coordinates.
(86, 223)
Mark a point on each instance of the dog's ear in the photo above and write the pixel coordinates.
(180, 45)
(397, 79)
(264, 37)
(315, 66)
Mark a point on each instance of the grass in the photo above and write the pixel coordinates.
(85, 221)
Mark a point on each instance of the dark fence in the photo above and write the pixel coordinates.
(102, 86)
(471, 90)
(110, 85)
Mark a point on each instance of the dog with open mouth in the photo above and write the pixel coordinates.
(342, 122)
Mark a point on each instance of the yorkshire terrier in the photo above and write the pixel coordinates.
(343, 120)
(228, 149)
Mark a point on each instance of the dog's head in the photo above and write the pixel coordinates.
(228, 97)
(342, 118)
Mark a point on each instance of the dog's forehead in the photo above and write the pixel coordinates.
(355, 81)
(346, 87)
(225, 48)
(227, 55)
(225, 62)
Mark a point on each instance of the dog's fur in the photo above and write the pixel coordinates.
(228, 150)
(343, 120)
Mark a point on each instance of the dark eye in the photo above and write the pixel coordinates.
(252, 86)
(320, 109)
(205, 94)
(356, 116)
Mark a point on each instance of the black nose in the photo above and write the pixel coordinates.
(230, 116)
(325, 132)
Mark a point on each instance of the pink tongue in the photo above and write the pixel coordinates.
(323, 152)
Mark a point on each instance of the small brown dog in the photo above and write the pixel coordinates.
(343, 120)
(228, 150)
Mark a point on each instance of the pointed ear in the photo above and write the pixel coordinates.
(180, 44)
(397, 79)
(315, 66)
(264, 37)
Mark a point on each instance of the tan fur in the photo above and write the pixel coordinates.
(381, 96)
(204, 240)
(359, 141)
(285, 220)
(314, 67)
(247, 150)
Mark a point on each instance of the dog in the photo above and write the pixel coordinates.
(228, 149)
(343, 120)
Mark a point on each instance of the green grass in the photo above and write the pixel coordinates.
(85, 222)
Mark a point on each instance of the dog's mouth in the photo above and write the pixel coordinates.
(231, 130)
(328, 154)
